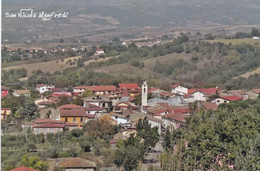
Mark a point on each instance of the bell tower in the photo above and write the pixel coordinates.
(144, 93)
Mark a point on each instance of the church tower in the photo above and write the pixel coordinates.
(144, 93)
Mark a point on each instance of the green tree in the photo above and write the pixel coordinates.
(63, 100)
(86, 93)
(33, 162)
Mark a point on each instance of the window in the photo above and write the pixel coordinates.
(104, 105)
(217, 100)
(225, 101)
(74, 120)
(81, 119)
(144, 90)
(66, 119)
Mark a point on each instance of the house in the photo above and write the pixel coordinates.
(173, 120)
(188, 98)
(17, 93)
(99, 52)
(255, 38)
(203, 94)
(93, 111)
(22, 168)
(45, 126)
(119, 118)
(100, 101)
(239, 93)
(210, 106)
(41, 88)
(178, 89)
(5, 113)
(159, 110)
(199, 96)
(72, 113)
(78, 164)
(4, 91)
(253, 94)
(227, 99)
(124, 105)
(128, 86)
(97, 90)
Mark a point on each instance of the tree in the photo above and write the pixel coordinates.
(63, 100)
(149, 134)
(86, 93)
(78, 101)
(228, 136)
(34, 162)
(77, 132)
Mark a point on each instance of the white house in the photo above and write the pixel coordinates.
(178, 89)
(120, 119)
(199, 96)
(255, 38)
(100, 52)
(227, 99)
(43, 88)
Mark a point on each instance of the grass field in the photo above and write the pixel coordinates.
(52, 66)
(49, 66)
(236, 41)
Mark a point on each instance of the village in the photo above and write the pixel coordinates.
(122, 105)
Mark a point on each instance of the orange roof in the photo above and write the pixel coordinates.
(210, 106)
(97, 88)
(70, 106)
(257, 91)
(232, 98)
(22, 168)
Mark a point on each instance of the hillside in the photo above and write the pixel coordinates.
(87, 18)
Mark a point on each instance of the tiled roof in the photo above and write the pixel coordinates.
(49, 126)
(182, 111)
(210, 106)
(179, 117)
(70, 106)
(59, 94)
(257, 91)
(232, 98)
(92, 107)
(129, 86)
(175, 85)
(207, 91)
(77, 163)
(97, 88)
(73, 113)
(22, 168)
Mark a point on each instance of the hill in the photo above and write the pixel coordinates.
(87, 18)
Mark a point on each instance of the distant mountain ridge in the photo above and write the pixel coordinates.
(92, 15)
